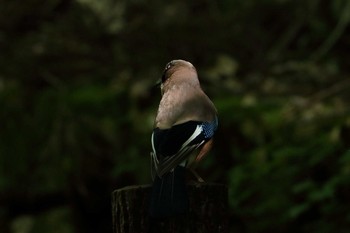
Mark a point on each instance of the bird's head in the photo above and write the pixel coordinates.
(178, 71)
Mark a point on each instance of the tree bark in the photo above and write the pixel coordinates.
(208, 211)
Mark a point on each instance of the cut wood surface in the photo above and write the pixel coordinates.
(208, 211)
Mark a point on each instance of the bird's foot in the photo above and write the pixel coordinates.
(195, 174)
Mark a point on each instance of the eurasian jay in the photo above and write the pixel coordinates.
(186, 120)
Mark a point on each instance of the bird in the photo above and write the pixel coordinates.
(185, 122)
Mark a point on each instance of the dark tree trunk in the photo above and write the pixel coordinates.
(208, 211)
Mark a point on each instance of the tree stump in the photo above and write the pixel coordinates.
(208, 211)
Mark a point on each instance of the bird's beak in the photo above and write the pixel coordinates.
(158, 83)
(156, 86)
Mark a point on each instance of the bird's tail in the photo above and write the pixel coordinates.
(169, 194)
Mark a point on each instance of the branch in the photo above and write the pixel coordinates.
(335, 35)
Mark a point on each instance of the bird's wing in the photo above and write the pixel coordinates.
(173, 146)
(170, 162)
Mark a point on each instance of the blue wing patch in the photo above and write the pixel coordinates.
(174, 145)
(209, 128)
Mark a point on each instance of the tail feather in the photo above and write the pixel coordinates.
(169, 194)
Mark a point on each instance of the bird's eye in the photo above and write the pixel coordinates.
(165, 76)
(169, 65)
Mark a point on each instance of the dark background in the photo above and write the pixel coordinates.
(77, 107)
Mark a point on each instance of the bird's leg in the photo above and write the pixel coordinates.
(191, 166)
(194, 173)
(204, 150)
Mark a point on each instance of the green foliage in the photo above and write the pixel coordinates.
(293, 173)
(77, 107)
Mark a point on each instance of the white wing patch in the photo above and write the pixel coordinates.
(197, 132)
(154, 159)
(168, 163)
